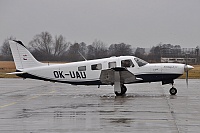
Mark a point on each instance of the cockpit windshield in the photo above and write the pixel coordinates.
(140, 62)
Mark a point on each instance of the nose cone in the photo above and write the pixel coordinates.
(188, 67)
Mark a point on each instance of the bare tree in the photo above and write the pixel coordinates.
(73, 52)
(91, 52)
(155, 54)
(139, 52)
(59, 46)
(120, 49)
(42, 44)
(5, 49)
(97, 50)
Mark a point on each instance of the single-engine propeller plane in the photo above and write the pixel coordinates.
(116, 71)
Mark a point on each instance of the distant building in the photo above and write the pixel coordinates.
(175, 51)
(179, 60)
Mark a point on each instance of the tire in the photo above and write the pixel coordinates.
(173, 91)
(123, 91)
(118, 94)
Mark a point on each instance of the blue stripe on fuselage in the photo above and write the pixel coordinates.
(144, 77)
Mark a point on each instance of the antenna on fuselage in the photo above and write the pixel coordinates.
(82, 56)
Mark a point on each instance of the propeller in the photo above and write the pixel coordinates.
(187, 68)
(187, 76)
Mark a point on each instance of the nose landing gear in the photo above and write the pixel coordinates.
(173, 90)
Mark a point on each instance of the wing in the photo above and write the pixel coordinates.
(108, 76)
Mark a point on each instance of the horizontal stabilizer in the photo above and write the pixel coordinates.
(15, 73)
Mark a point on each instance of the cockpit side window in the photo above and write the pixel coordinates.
(127, 63)
(140, 62)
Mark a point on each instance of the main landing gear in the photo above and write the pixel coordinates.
(123, 90)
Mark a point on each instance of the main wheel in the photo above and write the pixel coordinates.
(173, 91)
(123, 90)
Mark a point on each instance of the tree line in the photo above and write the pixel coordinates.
(45, 47)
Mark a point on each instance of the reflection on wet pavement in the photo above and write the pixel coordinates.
(37, 106)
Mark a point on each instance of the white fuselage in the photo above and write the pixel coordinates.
(84, 73)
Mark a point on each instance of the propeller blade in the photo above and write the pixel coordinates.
(187, 78)
(187, 68)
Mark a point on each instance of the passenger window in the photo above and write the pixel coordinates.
(82, 68)
(127, 63)
(96, 67)
(112, 64)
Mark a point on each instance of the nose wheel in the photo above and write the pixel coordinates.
(173, 91)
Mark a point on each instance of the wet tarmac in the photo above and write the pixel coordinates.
(30, 106)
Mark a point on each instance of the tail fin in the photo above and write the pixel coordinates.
(22, 57)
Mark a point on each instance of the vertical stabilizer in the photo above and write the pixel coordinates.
(22, 57)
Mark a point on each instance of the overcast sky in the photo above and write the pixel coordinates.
(140, 23)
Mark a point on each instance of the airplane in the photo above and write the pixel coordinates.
(115, 71)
